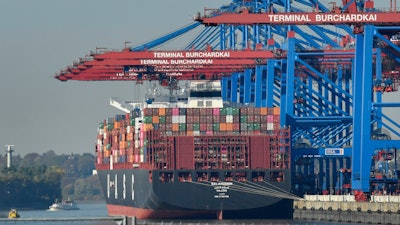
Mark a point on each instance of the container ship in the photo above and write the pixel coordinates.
(190, 155)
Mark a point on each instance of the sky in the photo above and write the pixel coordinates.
(39, 38)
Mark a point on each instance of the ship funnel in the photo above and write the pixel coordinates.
(9, 152)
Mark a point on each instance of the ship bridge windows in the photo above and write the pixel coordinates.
(258, 176)
(276, 176)
(185, 177)
(205, 94)
(172, 99)
(166, 177)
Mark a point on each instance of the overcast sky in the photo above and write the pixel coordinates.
(40, 37)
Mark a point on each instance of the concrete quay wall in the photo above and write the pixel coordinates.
(343, 208)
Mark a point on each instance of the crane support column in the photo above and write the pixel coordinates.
(287, 88)
(234, 87)
(259, 87)
(362, 150)
(270, 83)
(247, 88)
(378, 73)
(224, 88)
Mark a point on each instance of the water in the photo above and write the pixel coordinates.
(98, 209)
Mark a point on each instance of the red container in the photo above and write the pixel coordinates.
(260, 158)
(175, 111)
(184, 154)
(216, 111)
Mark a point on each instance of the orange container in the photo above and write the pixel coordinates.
(129, 136)
(131, 158)
(122, 144)
(147, 127)
(263, 111)
(161, 111)
(175, 127)
(277, 111)
(156, 119)
(222, 127)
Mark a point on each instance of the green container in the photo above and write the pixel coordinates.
(243, 119)
(101, 126)
(235, 111)
(110, 126)
(229, 111)
(132, 122)
(256, 126)
(162, 119)
(128, 144)
(250, 126)
(196, 127)
(222, 111)
(148, 119)
(216, 127)
(182, 127)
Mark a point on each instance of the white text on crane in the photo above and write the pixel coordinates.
(284, 18)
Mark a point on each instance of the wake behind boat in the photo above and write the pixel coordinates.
(67, 205)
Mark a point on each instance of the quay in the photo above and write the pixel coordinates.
(383, 209)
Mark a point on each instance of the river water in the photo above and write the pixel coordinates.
(98, 210)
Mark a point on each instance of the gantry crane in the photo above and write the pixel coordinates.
(276, 54)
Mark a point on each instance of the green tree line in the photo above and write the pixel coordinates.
(42, 178)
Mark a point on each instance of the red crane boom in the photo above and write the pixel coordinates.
(336, 17)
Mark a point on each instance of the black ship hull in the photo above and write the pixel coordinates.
(143, 194)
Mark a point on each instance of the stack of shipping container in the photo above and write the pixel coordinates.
(154, 135)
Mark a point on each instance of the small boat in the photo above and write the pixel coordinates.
(67, 205)
(13, 214)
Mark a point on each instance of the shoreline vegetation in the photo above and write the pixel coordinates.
(35, 181)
